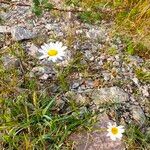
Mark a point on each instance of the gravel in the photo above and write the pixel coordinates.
(116, 72)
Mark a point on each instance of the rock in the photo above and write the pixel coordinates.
(96, 34)
(10, 62)
(115, 63)
(33, 50)
(138, 114)
(2, 40)
(59, 103)
(144, 90)
(104, 95)
(75, 85)
(135, 60)
(37, 71)
(106, 76)
(5, 29)
(20, 33)
(100, 96)
(89, 84)
(89, 55)
(135, 80)
(79, 98)
(44, 76)
(97, 139)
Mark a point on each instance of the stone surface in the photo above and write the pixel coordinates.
(96, 34)
(138, 114)
(33, 50)
(10, 62)
(100, 96)
(97, 139)
(79, 98)
(19, 33)
(92, 41)
(103, 95)
(5, 29)
(145, 91)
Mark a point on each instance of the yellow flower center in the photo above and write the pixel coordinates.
(52, 52)
(114, 130)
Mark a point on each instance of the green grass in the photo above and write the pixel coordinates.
(90, 17)
(137, 138)
(31, 121)
(131, 17)
(30, 117)
(143, 76)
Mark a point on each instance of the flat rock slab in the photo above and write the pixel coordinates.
(112, 94)
(100, 96)
(97, 139)
(20, 33)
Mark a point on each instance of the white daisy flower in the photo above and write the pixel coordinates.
(52, 51)
(115, 131)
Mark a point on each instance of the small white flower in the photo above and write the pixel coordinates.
(52, 51)
(115, 131)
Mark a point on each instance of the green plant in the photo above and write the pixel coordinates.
(72, 2)
(31, 121)
(40, 5)
(136, 138)
(63, 74)
(142, 50)
(89, 17)
(143, 75)
(112, 51)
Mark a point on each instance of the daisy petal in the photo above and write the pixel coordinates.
(43, 56)
(113, 138)
(53, 51)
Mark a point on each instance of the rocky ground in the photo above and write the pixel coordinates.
(104, 74)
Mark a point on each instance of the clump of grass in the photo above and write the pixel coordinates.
(112, 51)
(63, 74)
(31, 121)
(143, 76)
(136, 138)
(132, 18)
(136, 48)
(90, 17)
(142, 50)
(30, 117)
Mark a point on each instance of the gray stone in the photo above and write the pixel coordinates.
(112, 94)
(135, 80)
(79, 98)
(33, 50)
(117, 57)
(37, 71)
(96, 139)
(89, 84)
(44, 76)
(97, 34)
(5, 29)
(138, 114)
(145, 91)
(75, 85)
(106, 76)
(89, 55)
(20, 33)
(10, 61)
(135, 60)
(115, 63)
(100, 96)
